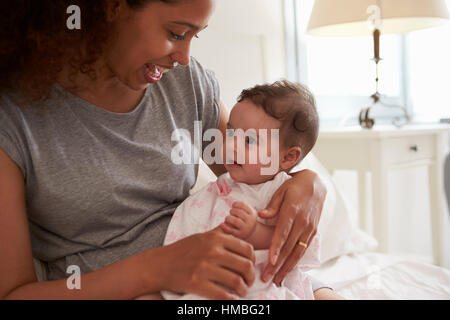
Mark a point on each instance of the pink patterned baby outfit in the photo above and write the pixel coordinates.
(208, 207)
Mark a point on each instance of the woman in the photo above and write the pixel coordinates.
(85, 171)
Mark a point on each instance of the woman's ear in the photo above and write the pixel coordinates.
(290, 157)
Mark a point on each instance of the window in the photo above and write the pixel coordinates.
(342, 66)
(339, 71)
(429, 63)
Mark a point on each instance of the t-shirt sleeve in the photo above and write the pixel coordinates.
(211, 112)
(10, 137)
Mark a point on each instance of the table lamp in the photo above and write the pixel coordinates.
(373, 17)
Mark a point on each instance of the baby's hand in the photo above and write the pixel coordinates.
(242, 220)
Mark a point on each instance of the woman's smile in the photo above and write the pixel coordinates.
(153, 73)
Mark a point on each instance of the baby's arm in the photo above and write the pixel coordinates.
(242, 223)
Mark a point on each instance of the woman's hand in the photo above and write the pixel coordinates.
(297, 205)
(205, 263)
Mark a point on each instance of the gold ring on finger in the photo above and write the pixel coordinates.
(301, 243)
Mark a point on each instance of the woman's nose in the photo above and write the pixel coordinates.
(182, 55)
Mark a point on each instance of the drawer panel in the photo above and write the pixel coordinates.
(409, 148)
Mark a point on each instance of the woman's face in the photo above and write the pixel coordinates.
(150, 41)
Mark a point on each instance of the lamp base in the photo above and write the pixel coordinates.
(367, 122)
(364, 121)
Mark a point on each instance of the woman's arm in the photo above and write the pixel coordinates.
(17, 274)
(219, 259)
(327, 294)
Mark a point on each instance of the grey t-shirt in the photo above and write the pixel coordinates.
(101, 186)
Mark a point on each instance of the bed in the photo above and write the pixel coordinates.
(371, 275)
(349, 260)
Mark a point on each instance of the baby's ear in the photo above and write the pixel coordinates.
(290, 157)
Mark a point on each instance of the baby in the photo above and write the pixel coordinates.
(280, 119)
(233, 200)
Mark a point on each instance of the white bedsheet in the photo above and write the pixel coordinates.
(380, 276)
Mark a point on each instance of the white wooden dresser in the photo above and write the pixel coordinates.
(373, 154)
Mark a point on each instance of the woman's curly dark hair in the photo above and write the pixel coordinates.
(35, 42)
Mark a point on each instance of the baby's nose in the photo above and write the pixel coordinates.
(230, 147)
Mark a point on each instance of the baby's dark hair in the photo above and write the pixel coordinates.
(292, 104)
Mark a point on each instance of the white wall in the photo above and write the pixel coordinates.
(243, 45)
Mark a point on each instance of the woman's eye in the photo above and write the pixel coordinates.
(250, 140)
(176, 36)
(179, 37)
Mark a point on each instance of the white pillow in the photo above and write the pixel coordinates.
(339, 235)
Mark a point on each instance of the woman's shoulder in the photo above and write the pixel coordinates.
(17, 108)
(190, 87)
(199, 70)
(192, 76)
(9, 107)
(12, 102)
(194, 68)
(11, 129)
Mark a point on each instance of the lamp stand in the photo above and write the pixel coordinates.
(364, 120)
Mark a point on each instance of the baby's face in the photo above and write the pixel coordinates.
(251, 168)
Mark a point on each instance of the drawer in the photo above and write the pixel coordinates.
(409, 148)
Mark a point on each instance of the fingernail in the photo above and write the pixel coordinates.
(274, 259)
(267, 277)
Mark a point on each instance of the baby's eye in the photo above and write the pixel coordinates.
(230, 132)
(250, 140)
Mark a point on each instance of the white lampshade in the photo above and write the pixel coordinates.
(350, 17)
